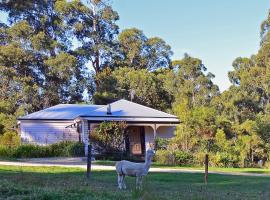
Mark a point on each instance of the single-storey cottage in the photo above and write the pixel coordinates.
(73, 122)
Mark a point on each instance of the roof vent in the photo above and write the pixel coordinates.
(109, 109)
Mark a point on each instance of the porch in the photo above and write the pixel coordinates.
(139, 137)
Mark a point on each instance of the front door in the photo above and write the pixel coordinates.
(135, 144)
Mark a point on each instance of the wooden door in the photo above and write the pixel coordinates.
(135, 140)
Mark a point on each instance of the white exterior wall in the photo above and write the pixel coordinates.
(162, 132)
(45, 132)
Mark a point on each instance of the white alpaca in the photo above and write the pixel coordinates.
(138, 170)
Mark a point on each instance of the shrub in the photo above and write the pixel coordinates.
(108, 137)
(61, 149)
(199, 158)
(164, 157)
(267, 164)
(66, 149)
(162, 143)
(183, 158)
(10, 139)
(176, 157)
(6, 152)
(224, 159)
(31, 151)
(76, 149)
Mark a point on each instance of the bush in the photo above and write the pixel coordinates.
(164, 157)
(61, 149)
(10, 139)
(108, 137)
(162, 143)
(76, 149)
(6, 152)
(183, 158)
(176, 157)
(30, 151)
(224, 159)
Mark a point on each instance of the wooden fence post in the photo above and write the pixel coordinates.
(89, 161)
(206, 161)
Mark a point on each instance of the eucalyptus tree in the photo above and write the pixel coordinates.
(94, 25)
(140, 52)
(192, 82)
(139, 85)
(38, 46)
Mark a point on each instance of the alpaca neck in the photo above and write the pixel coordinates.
(147, 163)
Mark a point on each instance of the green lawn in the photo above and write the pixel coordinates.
(70, 183)
(213, 169)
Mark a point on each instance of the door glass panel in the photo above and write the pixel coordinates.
(135, 140)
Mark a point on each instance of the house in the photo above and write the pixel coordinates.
(73, 122)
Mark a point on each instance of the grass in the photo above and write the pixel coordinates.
(70, 183)
(213, 169)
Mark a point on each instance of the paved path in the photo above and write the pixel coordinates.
(81, 163)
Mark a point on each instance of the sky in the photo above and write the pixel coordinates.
(216, 31)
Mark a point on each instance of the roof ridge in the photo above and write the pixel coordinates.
(145, 107)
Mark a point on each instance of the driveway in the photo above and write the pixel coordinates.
(81, 163)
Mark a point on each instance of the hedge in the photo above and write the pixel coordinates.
(61, 149)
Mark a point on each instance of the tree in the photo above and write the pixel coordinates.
(39, 39)
(193, 92)
(94, 25)
(38, 66)
(191, 82)
(139, 52)
(265, 26)
(147, 87)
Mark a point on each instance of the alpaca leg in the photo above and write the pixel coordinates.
(141, 182)
(123, 182)
(119, 181)
(137, 182)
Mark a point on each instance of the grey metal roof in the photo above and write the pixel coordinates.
(120, 109)
(62, 111)
(124, 108)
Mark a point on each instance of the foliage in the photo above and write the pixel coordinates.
(164, 157)
(61, 149)
(139, 52)
(180, 158)
(108, 137)
(147, 87)
(161, 143)
(9, 139)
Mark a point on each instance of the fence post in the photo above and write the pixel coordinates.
(88, 174)
(206, 161)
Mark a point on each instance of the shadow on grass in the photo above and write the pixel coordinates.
(257, 172)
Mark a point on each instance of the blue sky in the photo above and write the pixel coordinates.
(216, 31)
